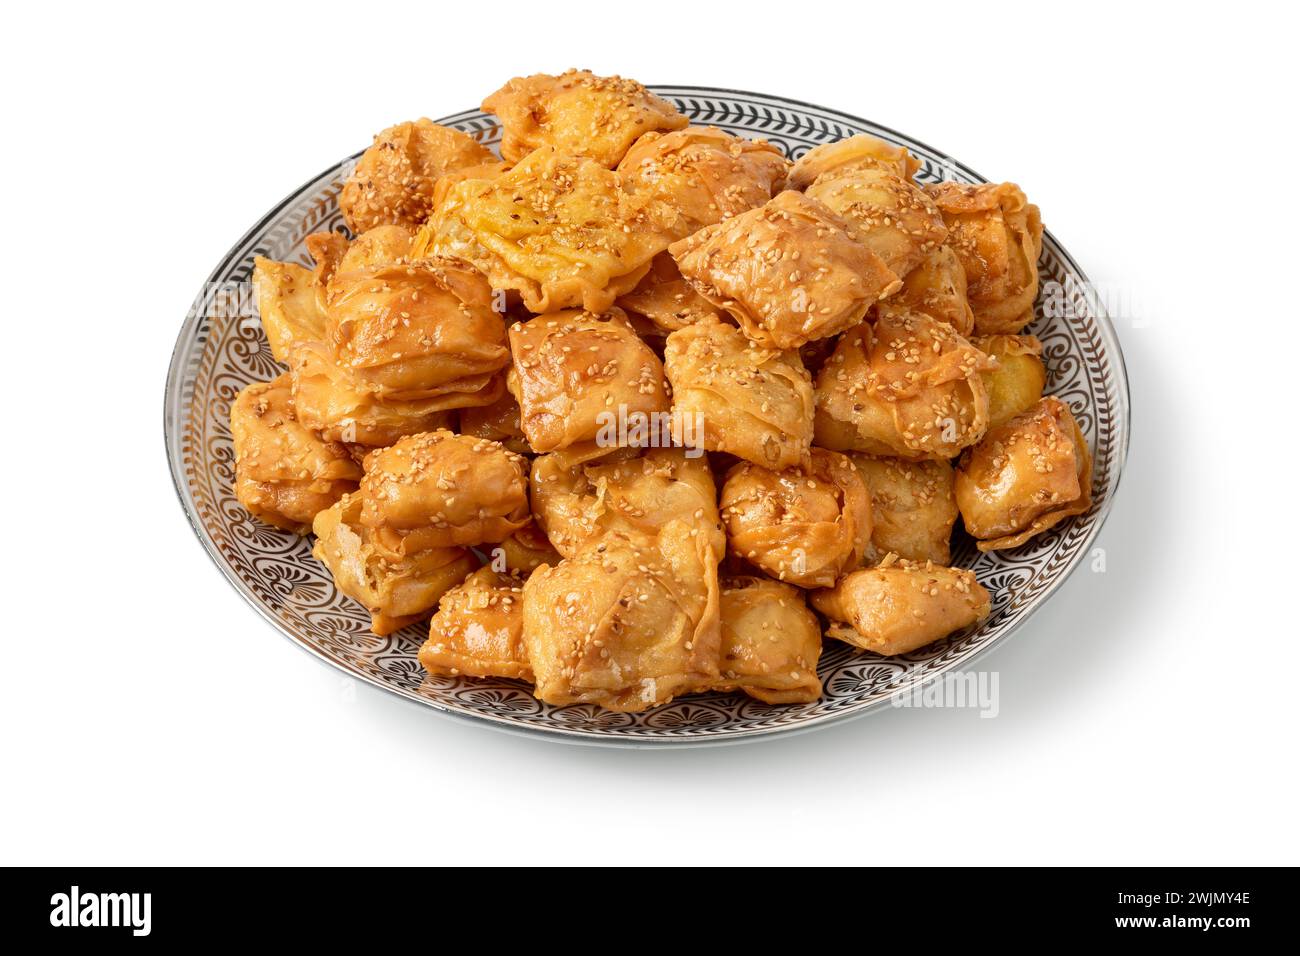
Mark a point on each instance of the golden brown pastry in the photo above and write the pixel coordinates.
(440, 489)
(618, 295)
(578, 502)
(788, 272)
(401, 342)
(851, 154)
(397, 584)
(577, 373)
(393, 180)
(498, 421)
(1025, 476)
(937, 287)
(997, 234)
(1017, 383)
(284, 474)
(802, 528)
(700, 175)
(901, 605)
(409, 331)
(556, 228)
(753, 402)
(579, 113)
(890, 214)
(770, 642)
(906, 386)
(478, 630)
(913, 507)
(330, 400)
(665, 299)
(626, 624)
(289, 302)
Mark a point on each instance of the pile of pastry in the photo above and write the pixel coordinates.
(643, 409)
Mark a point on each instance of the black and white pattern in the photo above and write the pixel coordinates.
(218, 353)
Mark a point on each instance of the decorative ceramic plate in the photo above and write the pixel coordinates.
(221, 349)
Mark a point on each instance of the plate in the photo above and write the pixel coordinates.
(221, 348)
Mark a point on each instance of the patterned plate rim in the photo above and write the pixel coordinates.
(174, 400)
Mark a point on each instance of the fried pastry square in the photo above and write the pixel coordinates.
(398, 584)
(788, 272)
(577, 502)
(802, 528)
(770, 642)
(575, 370)
(891, 215)
(625, 624)
(937, 287)
(329, 399)
(1017, 383)
(478, 629)
(698, 176)
(556, 228)
(416, 330)
(997, 234)
(441, 489)
(390, 363)
(284, 474)
(906, 386)
(393, 180)
(851, 154)
(913, 507)
(753, 402)
(1024, 477)
(577, 112)
(901, 605)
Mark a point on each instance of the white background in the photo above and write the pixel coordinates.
(1148, 714)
